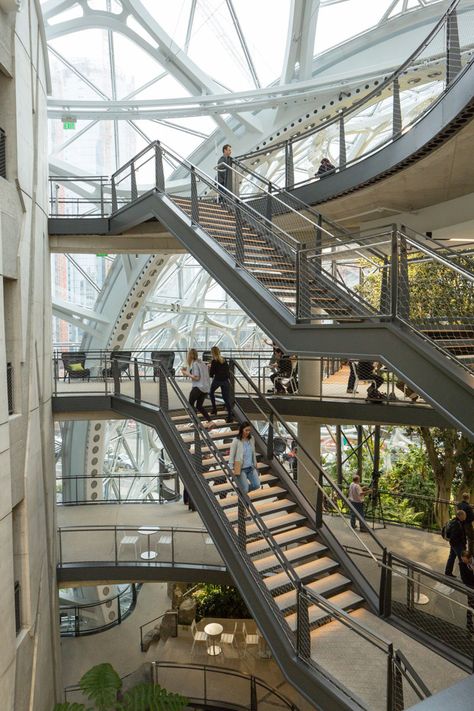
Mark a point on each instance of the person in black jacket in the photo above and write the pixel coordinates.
(464, 505)
(220, 374)
(467, 577)
(224, 174)
(457, 541)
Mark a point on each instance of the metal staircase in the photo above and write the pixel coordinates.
(291, 274)
(293, 573)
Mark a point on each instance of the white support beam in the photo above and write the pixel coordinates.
(300, 40)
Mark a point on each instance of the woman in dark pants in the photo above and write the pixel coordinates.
(220, 374)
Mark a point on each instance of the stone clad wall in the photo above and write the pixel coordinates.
(29, 673)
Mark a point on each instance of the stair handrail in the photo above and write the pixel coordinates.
(412, 676)
(276, 548)
(317, 464)
(365, 99)
(155, 619)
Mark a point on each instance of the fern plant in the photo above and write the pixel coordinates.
(102, 685)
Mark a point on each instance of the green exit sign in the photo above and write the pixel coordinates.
(69, 125)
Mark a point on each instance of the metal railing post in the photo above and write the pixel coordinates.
(241, 525)
(394, 274)
(319, 502)
(303, 635)
(133, 183)
(385, 288)
(159, 174)
(115, 545)
(342, 143)
(317, 261)
(253, 694)
(136, 381)
(194, 198)
(270, 439)
(397, 110)
(239, 237)
(385, 592)
(102, 208)
(116, 375)
(114, 195)
(453, 50)
(403, 283)
(303, 301)
(163, 386)
(269, 204)
(289, 166)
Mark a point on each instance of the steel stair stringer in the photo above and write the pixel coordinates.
(438, 379)
(312, 681)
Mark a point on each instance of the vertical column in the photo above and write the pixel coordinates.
(403, 282)
(309, 383)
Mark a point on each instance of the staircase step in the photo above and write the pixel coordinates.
(343, 601)
(319, 566)
(263, 493)
(263, 508)
(273, 523)
(313, 548)
(328, 585)
(225, 487)
(294, 535)
(215, 434)
(216, 473)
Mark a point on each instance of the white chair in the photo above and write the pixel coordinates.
(198, 636)
(229, 637)
(129, 541)
(358, 380)
(250, 640)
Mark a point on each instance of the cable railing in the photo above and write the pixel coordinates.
(78, 620)
(79, 196)
(386, 113)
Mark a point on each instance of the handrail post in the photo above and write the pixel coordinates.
(136, 381)
(318, 240)
(241, 525)
(403, 281)
(253, 694)
(397, 110)
(163, 393)
(114, 195)
(239, 236)
(385, 288)
(269, 204)
(303, 300)
(194, 198)
(133, 183)
(116, 375)
(270, 439)
(385, 593)
(159, 174)
(342, 143)
(303, 635)
(453, 50)
(394, 274)
(390, 684)
(102, 210)
(289, 166)
(319, 502)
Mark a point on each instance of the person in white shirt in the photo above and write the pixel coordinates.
(356, 497)
(243, 459)
(199, 374)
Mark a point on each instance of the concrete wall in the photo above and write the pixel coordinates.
(28, 660)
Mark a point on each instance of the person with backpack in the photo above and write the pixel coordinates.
(466, 506)
(220, 374)
(199, 374)
(455, 533)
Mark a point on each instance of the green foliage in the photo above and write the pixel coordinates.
(101, 684)
(151, 698)
(219, 601)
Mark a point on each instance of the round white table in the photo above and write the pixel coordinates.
(148, 531)
(214, 631)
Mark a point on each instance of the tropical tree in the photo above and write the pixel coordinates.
(103, 686)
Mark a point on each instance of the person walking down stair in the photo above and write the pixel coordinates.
(243, 460)
(224, 172)
(220, 374)
(199, 374)
(464, 505)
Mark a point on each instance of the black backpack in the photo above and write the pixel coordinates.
(448, 529)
